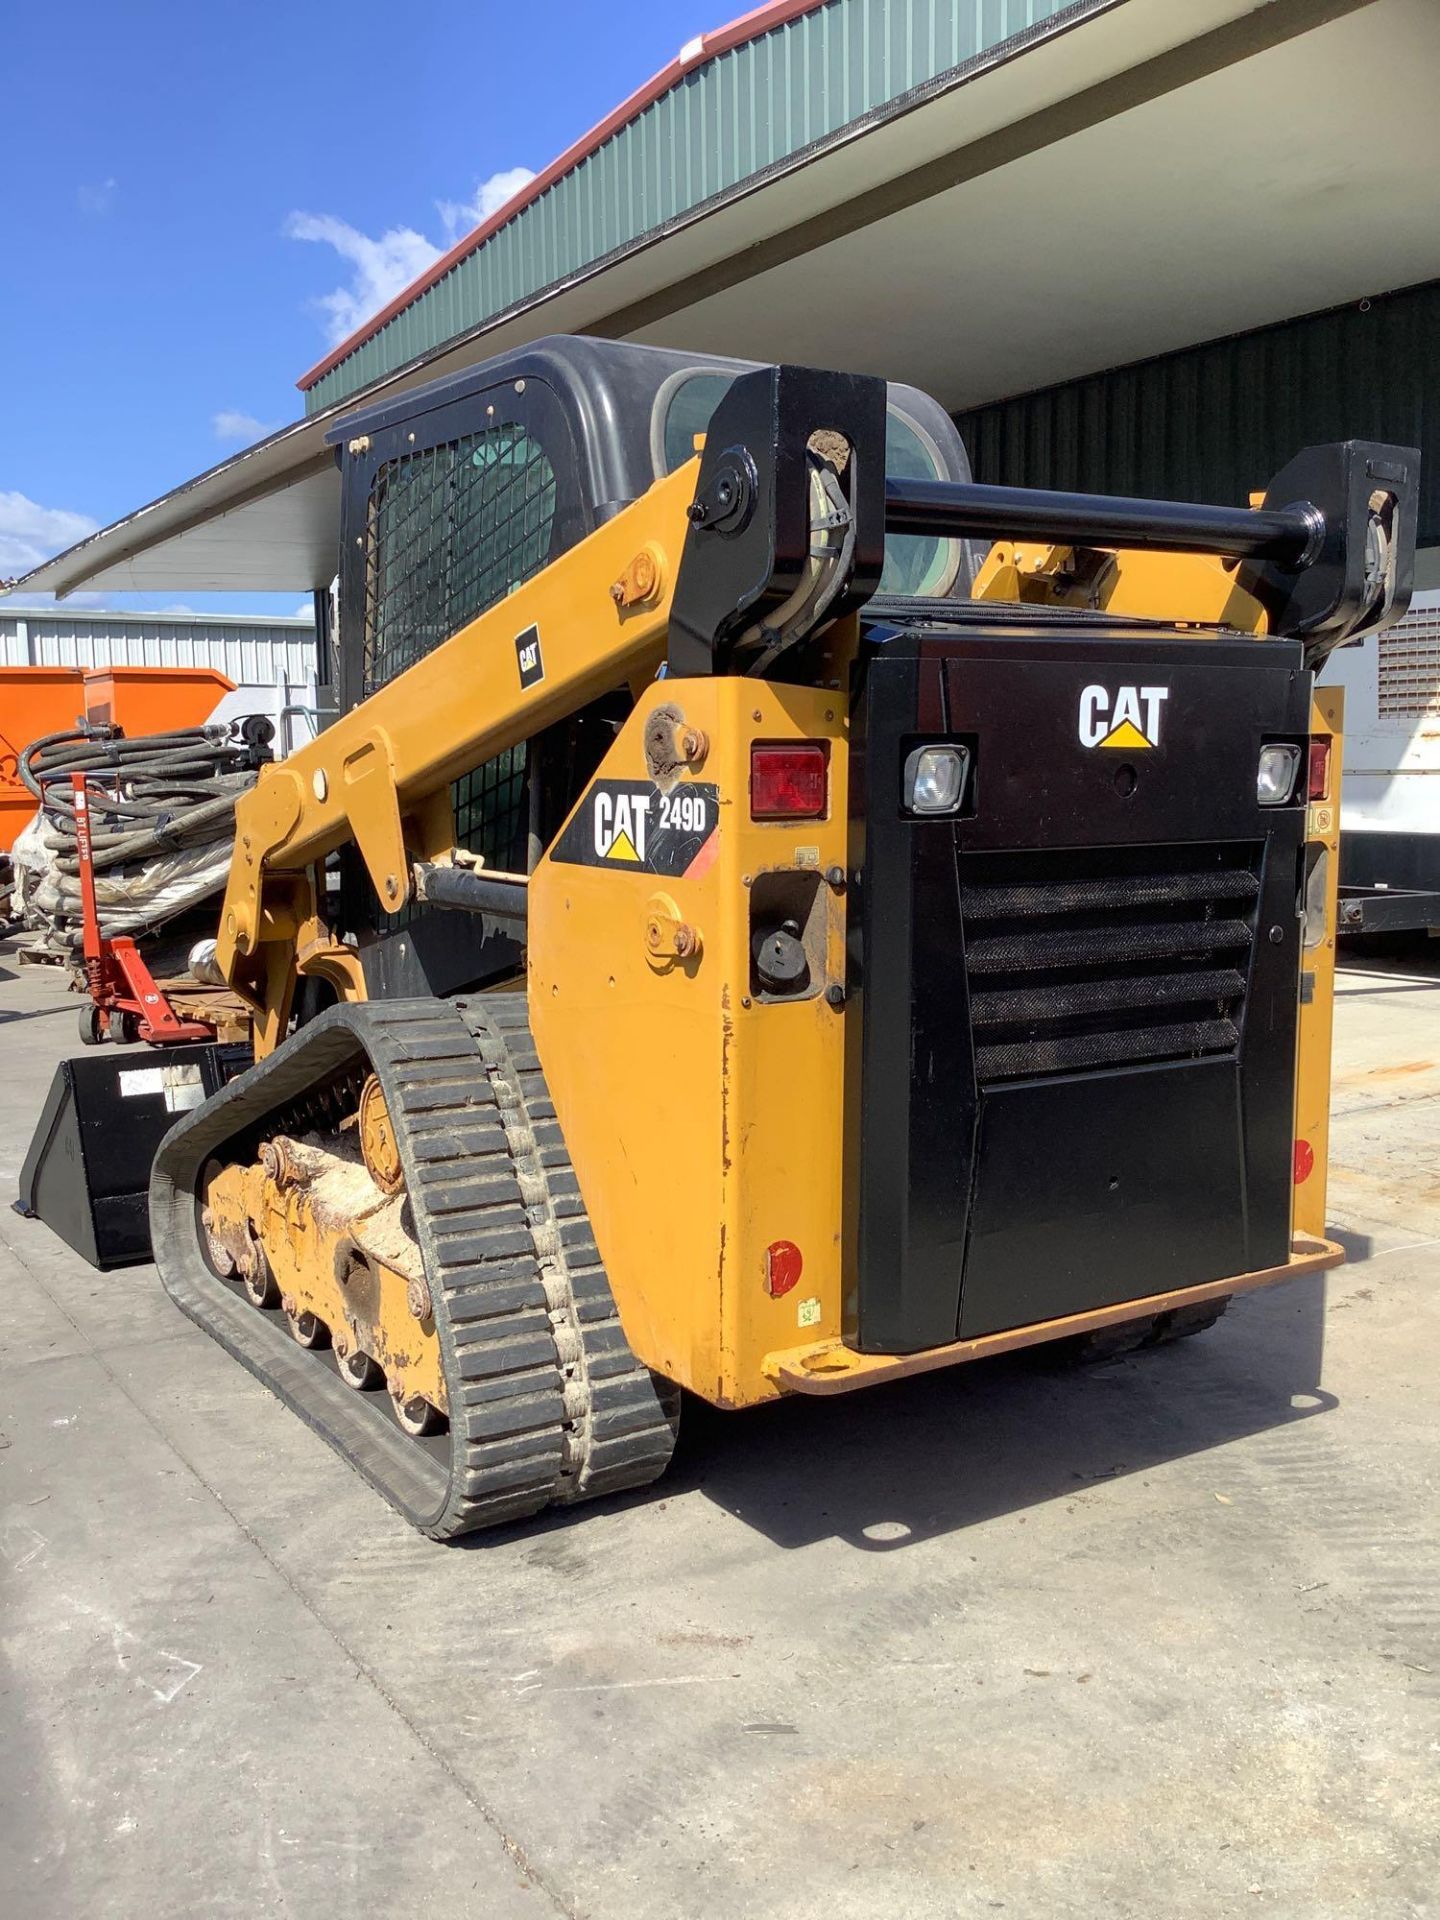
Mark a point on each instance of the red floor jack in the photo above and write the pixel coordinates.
(125, 1002)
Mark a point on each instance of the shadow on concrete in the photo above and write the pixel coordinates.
(1358, 1246)
(1403, 984)
(38, 1013)
(1412, 959)
(894, 1465)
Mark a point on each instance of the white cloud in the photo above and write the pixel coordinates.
(96, 196)
(230, 425)
(73, 602)
(30, 533)
(383, 267)
(305, 611)
(489, 196)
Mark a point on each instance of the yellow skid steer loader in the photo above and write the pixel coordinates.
(770, 919)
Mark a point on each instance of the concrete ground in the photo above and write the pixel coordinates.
(1158, 1639)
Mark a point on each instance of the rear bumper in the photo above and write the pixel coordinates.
(828, 1367)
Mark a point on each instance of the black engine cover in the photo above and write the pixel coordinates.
(1079, 994)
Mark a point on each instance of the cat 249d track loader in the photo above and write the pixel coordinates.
(750, 933)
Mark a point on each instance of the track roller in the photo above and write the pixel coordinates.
(357, 1369)
(307, 1330)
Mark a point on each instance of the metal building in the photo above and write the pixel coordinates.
(251, 652)
(1213, 421)
(273, 663)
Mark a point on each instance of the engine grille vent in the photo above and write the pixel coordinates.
(1107, 957)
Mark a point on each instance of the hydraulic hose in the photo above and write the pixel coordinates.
(151, 798)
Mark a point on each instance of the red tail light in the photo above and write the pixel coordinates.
(1304, 1161)
(1319, 786)
(788, 783)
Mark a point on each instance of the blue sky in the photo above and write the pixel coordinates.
(175, 182)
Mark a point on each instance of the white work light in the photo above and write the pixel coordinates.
(935, 779)
(1275, 778)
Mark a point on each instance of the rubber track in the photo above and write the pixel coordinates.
(1133, 1336)
(624, 1418)
(521, 1412)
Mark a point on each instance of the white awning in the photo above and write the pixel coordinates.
(266, 520)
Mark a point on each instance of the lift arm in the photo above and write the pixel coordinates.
(380, 776)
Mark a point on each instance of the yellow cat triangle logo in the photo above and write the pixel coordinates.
(621, 848)
(1127, 734)
(1123, 717)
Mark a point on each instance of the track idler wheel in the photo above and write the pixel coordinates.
(220, 1257)
(379, 1148)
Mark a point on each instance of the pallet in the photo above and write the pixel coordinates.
(226, 1012)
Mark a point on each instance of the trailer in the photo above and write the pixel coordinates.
(1390, 816)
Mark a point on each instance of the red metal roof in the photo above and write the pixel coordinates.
(695, 53)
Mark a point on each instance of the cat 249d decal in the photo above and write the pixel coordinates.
(631, 823)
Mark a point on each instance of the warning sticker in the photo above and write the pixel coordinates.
(631, 823)
(183, 1088)
(180, 1084)
(141, 1080)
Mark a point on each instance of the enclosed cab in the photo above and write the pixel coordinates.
(455, 495)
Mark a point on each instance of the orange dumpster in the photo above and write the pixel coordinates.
(153, 699)
(34, 701)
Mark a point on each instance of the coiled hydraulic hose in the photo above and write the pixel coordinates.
(150, 797)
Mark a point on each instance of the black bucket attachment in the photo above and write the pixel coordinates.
(87, 1174)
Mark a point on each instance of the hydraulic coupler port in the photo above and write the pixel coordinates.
(787, 935)
(780, 962)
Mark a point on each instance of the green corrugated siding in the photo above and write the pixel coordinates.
(728, 119)
(1215, 421)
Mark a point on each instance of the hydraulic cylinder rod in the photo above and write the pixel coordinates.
(1290, 536)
